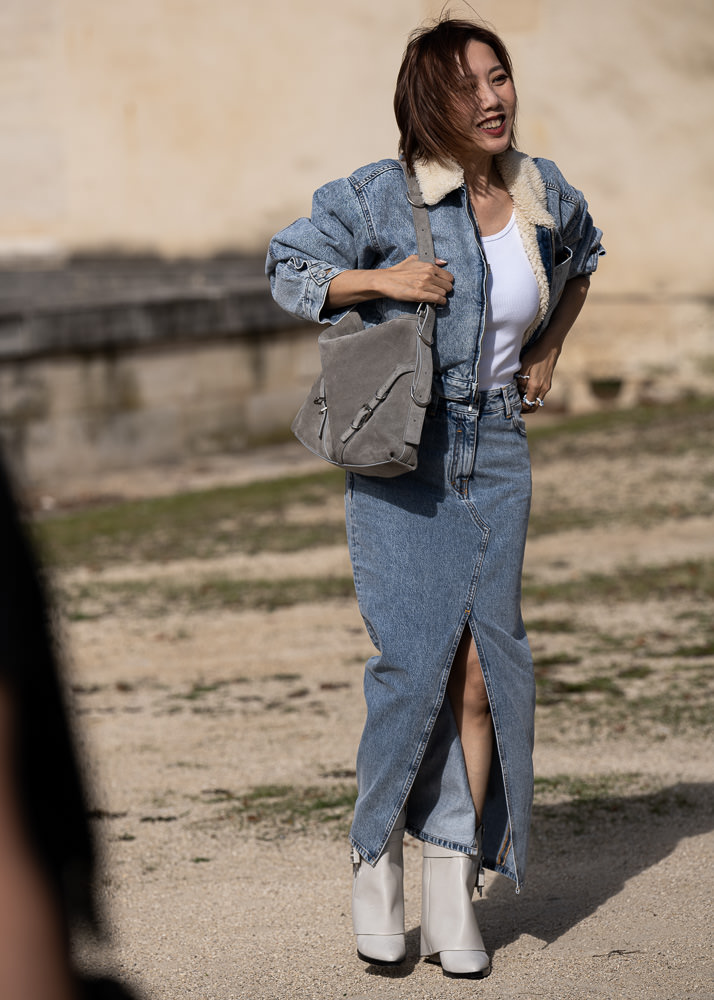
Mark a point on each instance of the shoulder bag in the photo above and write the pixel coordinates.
(365, 411)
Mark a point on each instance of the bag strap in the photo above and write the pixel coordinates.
(425, 241)
(421, 385)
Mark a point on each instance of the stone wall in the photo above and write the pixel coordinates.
(114, 364)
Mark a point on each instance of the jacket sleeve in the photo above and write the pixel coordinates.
(583, 237)
(303, 258)
(580, 233)
(577, 229)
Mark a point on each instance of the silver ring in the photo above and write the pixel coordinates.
(528, 402)
(518, 375)
(539, 401)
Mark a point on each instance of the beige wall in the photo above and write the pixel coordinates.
(187, 126)
(620, 93)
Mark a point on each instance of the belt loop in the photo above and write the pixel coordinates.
(506, 401)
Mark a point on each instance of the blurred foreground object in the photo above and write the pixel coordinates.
(47, 856)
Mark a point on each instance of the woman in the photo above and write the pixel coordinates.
(437, 554)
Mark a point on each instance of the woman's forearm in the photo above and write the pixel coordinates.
(567, 311)
(350, 287)
(412, 280)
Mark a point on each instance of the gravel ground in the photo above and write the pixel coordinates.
(205, 729)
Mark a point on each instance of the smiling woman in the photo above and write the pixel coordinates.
(437, 553)
(440, 88)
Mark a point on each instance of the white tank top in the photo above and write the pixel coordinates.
(513, 302)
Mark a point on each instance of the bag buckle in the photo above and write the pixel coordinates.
(364, 413)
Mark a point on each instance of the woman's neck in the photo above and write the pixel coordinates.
(482, 177)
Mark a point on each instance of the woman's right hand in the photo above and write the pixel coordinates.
(412, 280)
(415, 280)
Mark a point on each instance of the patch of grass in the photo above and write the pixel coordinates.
(553, 519)
(555, 660)
(585, 789)
(154, 598)
(588, 805)
(635, 673)
(554, 690)
(695, 652)
(199, 690)
(273, 808)
(249, 518)
(680, 424)
(673, 710)
(663, 583)
(551, 626)
(672, 703)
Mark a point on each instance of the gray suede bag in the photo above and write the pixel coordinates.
(365, 411)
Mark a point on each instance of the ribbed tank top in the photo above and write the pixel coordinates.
(513, 302)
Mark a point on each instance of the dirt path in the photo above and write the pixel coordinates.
(222, 745)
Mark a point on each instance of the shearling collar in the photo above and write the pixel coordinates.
(520, 175)
(527, 189)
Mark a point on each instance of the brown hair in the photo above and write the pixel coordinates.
(430, 80)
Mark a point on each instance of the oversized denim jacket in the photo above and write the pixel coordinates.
(365, 221)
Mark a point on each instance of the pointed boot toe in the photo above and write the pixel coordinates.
(381, 949)
(465, 964)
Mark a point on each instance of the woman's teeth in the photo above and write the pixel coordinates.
(495, 123)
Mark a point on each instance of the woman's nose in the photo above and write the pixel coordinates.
(487, 97)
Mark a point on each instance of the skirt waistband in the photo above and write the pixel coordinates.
(505, 398)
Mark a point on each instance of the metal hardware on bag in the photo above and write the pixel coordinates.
(423, 315)
(321, 401)
(364, 416)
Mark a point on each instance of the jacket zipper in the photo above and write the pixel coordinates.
(486, 272)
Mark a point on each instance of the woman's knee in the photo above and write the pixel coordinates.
(467, 681)
(475, 694)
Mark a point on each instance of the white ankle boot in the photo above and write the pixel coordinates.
(449, 931)
(378, 902)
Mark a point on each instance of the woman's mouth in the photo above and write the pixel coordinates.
(495, 126)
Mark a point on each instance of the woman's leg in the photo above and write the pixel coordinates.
(449, 931)
(469, 703)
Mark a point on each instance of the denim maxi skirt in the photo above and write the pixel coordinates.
(433, 552)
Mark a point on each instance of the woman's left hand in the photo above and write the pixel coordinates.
(535, 375)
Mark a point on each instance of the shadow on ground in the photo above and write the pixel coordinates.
(582, 854)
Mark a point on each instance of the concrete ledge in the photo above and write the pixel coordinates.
(90, 305)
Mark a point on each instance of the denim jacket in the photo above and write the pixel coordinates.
(365, 221)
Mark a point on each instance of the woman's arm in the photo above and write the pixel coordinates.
(539, 361)
(412, 280)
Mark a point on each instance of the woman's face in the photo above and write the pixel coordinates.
(489, 106)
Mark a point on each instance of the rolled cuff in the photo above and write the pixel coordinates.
(300, 286)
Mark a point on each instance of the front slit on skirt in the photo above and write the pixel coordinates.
(434, 552)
